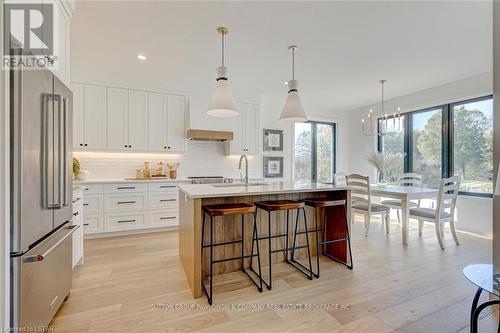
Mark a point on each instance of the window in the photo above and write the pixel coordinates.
(473, 145)
(453, 139)
(314, 153)
(393, 142)
(426, 141)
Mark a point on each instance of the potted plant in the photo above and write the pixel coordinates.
(76, 167)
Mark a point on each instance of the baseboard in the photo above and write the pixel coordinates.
(130, 232)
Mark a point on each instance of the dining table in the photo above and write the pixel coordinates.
(405, 194)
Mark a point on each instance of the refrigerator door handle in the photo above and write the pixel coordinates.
(39, 257)
(65, 151)
(45, 153)
(61, 153)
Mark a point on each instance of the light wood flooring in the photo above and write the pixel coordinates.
(417, 288)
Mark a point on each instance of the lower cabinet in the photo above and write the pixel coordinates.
(110, 208)
(78, 234)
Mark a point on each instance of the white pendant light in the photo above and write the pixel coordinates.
(293, 110)
(222, 103)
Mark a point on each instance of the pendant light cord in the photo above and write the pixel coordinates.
(383, 99)
(222, 34)
(293, 63)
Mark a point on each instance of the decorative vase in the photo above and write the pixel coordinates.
(83, 175)
(381, 178)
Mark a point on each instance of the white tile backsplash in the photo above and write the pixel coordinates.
(200, 159)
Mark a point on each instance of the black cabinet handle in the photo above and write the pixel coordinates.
(85, 224)
(125, 202)
(125, 221)
(75, 214)
(77, 199)
(85, 145)
(126, 188)
(167, 218)
(167, 186)
(163, 200)
(85, 204)
(81, 144)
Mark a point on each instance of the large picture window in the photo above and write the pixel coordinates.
(453, 139)
(314, 152)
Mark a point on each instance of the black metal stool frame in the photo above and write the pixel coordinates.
(323, 243)
(211, 246)
(476, 311)
(301, 268)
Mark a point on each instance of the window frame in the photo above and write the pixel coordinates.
(314, 145)
(447, 140)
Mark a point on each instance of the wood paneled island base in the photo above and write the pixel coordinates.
(193, 197)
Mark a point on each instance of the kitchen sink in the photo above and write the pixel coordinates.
(239, 184)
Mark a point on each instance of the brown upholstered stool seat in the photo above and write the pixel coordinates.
(274, 205)
(322, 203)
(228, 209)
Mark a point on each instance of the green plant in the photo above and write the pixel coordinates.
(76, 167)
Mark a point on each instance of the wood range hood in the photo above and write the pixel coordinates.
(207, 135)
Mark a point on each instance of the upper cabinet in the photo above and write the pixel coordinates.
(123, 119)
(89, 117)
(245, 129)
(138, 120)
(167, 122)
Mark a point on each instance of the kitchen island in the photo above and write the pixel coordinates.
(193, 197)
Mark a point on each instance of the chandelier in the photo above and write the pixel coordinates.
(378, 126)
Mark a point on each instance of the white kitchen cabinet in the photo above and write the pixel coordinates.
(167, 122)
(127, 116)
(78, 115)
(117, 119)
(176, 130)
(78, 234)
(245, 128)
(251, 129)
(138, 118)
(61, 41)
(94, 119)
(157, 122)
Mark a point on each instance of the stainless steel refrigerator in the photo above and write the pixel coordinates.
(41, 196)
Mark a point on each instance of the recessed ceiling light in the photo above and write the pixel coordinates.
(141, 57)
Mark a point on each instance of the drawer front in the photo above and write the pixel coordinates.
(162, 187)
(93, 223)
(92, 189)
(125, 188)
(117, 222)
(93, 204)
(163, 201)
(164, 218)
(119, 202)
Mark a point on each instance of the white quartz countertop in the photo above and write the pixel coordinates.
(197, 191)
(112, 181)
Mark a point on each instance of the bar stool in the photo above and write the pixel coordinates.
(285, 205)
(229, 210)
(317, 204)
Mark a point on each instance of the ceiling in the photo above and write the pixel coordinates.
(344, 47)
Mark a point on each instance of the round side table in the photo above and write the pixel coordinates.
(485, 277)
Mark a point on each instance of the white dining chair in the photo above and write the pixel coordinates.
(340, 179)
(407, 179)
(444, 211)
(361, 201)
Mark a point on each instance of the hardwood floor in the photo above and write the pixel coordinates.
(391, 289)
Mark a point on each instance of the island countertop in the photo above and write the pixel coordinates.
(200, 191)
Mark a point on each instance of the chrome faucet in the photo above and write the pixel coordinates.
(243, 156)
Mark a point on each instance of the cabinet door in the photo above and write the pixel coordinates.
(95, 117)
(251, 129)
(78, 115)
(117, 116)
(176, 132)
(138, 118)
(157, 122)
(236, 145)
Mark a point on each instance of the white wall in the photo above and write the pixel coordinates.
(473, 214)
